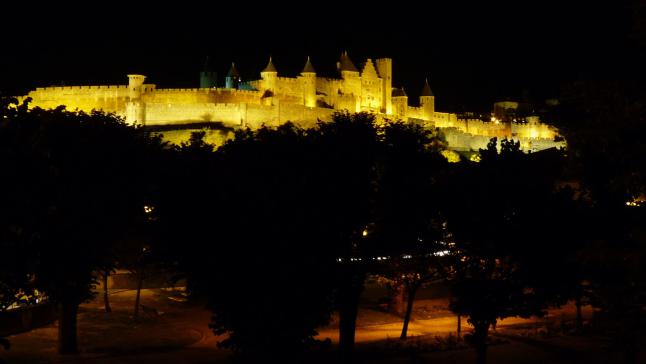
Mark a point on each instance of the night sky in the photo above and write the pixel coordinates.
(471, 54)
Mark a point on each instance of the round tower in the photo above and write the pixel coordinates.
(351, 79)
(308, 82)
(135, 107)
(400, 102)
(427, 101)
(269, 77)
(135, 83)
(208, 77)
(232, 80)
(346, 67)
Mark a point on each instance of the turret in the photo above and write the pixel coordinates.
(135, 83)
(351, 79)
(135, 108)
(232, 80)
(400, 102)
(427, 101)
(208, 77)
(346, 67)
(269, 77)
(308, 82)
(385, 70)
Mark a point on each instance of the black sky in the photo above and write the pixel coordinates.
(472, 53)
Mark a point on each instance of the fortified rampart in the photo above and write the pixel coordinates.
(304, 100)
(107, 98)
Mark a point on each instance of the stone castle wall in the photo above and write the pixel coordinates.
(235, 114)
(276, 100)
(107, 98)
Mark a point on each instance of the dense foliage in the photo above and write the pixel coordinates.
(278, 228)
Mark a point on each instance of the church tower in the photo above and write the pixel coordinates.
(233, 77)
(308, 82)
(427, 101)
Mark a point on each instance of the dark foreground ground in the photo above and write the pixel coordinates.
(178, 333)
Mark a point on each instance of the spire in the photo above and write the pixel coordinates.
(345, 63)
(233, 72)
(426, 90)
(270, 67)
(308, 67)
(207, 65)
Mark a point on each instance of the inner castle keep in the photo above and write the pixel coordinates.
(272, 100)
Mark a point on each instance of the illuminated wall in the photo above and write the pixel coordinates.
(304, 100)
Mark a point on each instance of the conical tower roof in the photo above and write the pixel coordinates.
(308, 67)
(270, 67)
(398, 92)
(345, 63)
(233, 72)
(208, 67)
(426, 90)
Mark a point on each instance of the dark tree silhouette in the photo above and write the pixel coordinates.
(603, 122)
(347, 152)
(90, 182)
(17, 219)
(264, 269)
(499, 217)
(408, 225)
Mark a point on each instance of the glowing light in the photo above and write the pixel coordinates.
(636, 202)
(441, 253)
(364, 232)
(148, 209)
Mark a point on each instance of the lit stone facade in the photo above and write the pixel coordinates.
(272, 100)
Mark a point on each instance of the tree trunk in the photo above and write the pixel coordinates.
(412, 290)
(480, 342)
(349, 293)
(106, 301)
(67, 340)
(579, 316)
(140, 282)
(459, 325)
(397, 304)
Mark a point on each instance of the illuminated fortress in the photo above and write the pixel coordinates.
(272, 100)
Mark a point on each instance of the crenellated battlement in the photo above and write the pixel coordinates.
(289, 79)
(207, 91)
(82, 88)
(303, 100)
